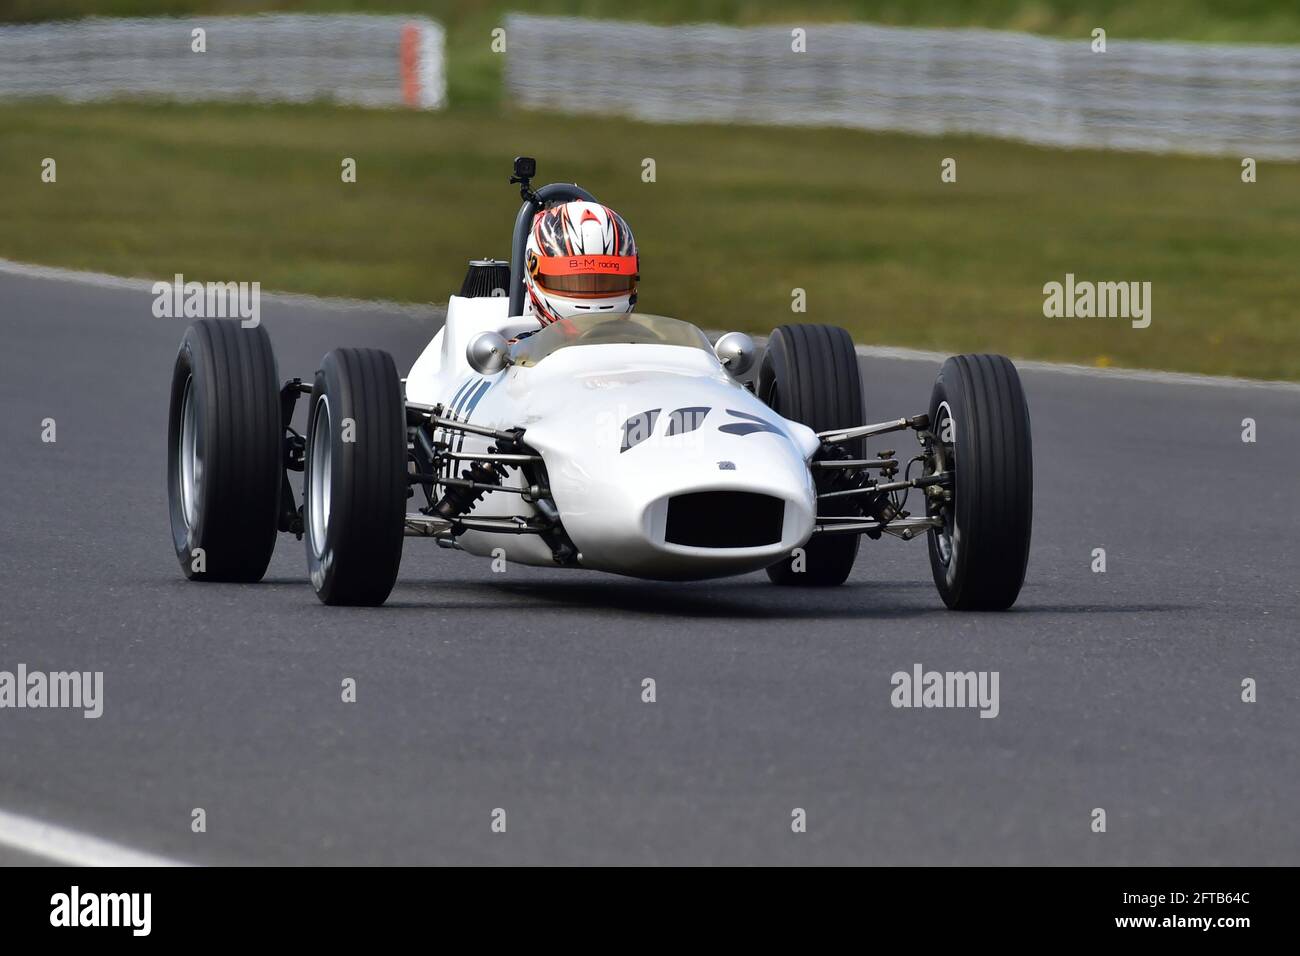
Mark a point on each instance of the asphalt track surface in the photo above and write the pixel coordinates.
(522, 690)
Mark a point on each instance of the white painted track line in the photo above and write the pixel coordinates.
(104, 281)
(1060, 368)
(61, 845)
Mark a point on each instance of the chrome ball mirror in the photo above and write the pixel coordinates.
(487, 353)
(735, 351)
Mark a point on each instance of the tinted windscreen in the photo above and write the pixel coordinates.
(621, 329)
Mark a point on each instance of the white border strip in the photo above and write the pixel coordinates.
(415, 310)
(425, 311)
(1091, 371)
(61, 845)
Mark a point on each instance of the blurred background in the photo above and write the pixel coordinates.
(773, 168)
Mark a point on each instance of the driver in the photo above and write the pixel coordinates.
(580, 259)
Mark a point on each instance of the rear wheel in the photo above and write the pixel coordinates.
(809, 374)
(355, 487)
(224, 452)
(980, 421)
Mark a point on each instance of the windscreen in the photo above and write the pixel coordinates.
(626, 328)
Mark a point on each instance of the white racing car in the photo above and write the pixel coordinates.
(614, 442)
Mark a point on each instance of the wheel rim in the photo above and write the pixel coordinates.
(319, 475)
(945, 460)
(191, 470)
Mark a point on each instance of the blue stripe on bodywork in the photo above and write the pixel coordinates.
(471, 405)
(452, 411)
(473, 402)
(460, 394)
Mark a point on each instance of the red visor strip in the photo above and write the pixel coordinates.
(586, 265)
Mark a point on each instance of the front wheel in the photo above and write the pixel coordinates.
(979, 421)
(355, 486)
(225, 451)
(810, 375)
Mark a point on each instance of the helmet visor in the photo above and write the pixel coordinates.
(586, 275)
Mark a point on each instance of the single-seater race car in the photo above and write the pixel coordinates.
(625, 443)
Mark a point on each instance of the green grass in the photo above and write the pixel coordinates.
(738, 218)
(1269, 21)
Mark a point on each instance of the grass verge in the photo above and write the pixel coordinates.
(737, 219)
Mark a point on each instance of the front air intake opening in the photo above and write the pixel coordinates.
(724, 519)
(485, 278)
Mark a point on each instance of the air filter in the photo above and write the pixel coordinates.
(486, 277)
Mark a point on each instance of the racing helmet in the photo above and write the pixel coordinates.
(580, 259)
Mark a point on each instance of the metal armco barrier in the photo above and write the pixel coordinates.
(1155, 96)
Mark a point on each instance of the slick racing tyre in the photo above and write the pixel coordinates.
(224, 452)
(980, 421)
(809, 374)
(354, 494)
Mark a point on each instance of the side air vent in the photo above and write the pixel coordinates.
(724, 519)
(486, 277)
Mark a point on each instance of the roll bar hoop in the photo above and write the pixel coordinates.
(525, 169)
